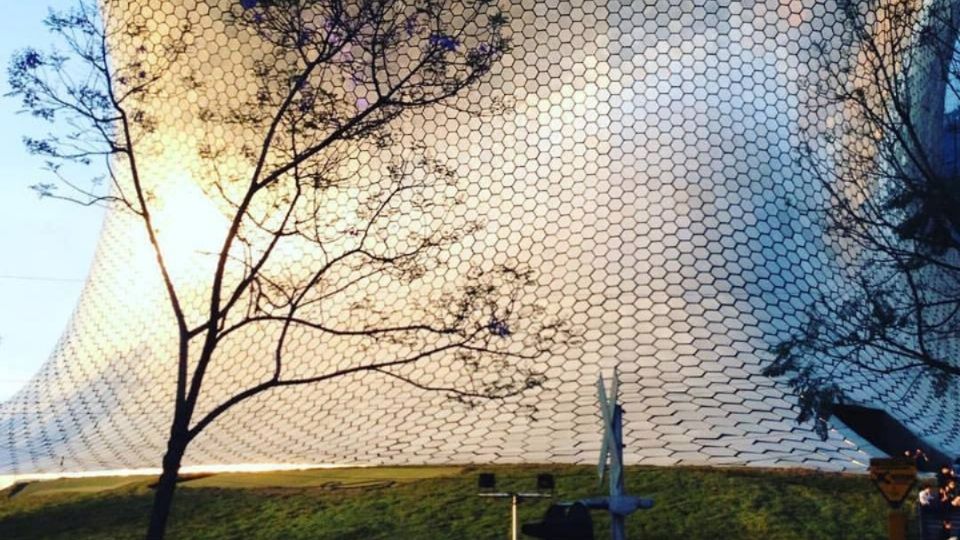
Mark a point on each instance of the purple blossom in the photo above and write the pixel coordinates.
(410, 25)
(498, 327)
(303, 37)
(29, 59)
(333, 28)
(305, 106)
(447, 43)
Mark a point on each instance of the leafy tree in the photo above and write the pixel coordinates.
(328, 83)
(891, 207)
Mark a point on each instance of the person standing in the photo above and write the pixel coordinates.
(948, 533)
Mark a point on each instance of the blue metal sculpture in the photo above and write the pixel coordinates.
(618, 504)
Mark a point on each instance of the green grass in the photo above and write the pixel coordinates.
(351, 478)
(68, 486)
(433, 503)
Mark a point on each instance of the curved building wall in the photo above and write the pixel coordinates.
(644, 168)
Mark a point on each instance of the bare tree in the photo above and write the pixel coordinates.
(303, 125)
(891, 207)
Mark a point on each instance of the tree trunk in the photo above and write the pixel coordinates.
(163, 498)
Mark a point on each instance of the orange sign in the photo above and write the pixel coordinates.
(893, 477)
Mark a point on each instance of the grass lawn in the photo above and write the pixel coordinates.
(440, 503)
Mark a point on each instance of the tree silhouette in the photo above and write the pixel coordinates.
(326, 82)
(892, 210)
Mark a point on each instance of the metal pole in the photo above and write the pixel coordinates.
(618, 525)
(897, 524)
(514, 527)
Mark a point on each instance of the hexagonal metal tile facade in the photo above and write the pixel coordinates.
(643, 167)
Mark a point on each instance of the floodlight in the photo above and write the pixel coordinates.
(487, 481)
(545, 482)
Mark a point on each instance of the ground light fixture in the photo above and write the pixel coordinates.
(487, 484)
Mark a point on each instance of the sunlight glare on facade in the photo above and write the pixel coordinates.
(643, 167)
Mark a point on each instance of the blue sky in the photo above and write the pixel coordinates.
(45, 246)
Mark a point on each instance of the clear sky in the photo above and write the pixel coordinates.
(45, 246)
